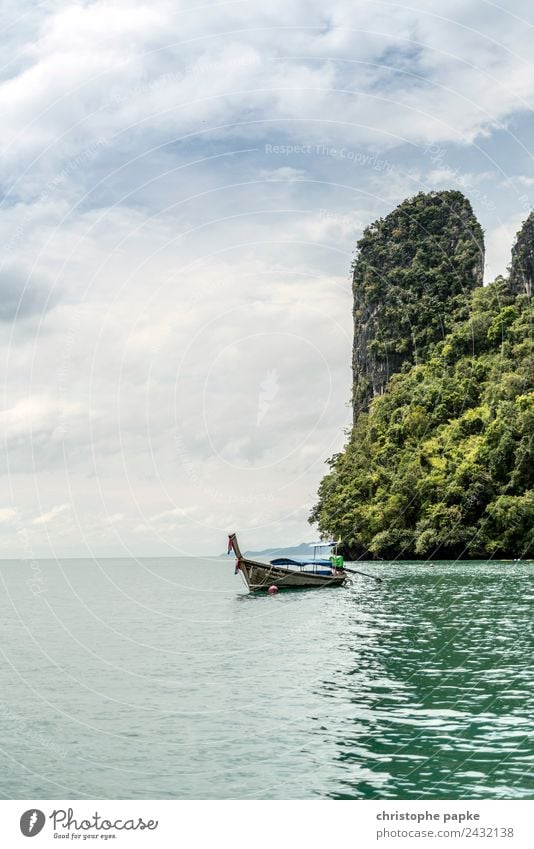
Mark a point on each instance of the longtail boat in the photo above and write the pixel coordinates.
(285, 573)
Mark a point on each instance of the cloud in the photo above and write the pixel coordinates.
(36, 415)
(7, 515)
(175, 513)
(499, 245)
(143, 72)
(114, 519)
(52, 514)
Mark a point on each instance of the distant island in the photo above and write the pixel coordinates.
(439, 462)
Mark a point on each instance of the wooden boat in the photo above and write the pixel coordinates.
(285, 573)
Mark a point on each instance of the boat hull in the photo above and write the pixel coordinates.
(261, 576)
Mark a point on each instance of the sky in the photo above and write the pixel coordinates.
(182, 189)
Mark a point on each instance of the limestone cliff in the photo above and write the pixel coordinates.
(522, 268)
(413, 275)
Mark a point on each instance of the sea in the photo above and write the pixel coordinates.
(164, 678)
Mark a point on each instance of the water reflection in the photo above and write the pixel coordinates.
(434, 698)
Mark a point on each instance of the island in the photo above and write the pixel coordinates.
(439, 460)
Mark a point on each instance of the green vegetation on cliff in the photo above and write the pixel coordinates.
(442, 463)
(412, 278)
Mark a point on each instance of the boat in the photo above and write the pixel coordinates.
(286, 573)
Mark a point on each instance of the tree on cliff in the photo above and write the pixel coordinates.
(413, 274)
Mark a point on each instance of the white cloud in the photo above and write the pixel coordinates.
(52, 514)
(400, 74)
(7, 515)
(175, 513)
(36, 415)
(499, 242)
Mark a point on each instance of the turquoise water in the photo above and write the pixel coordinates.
(164, 678)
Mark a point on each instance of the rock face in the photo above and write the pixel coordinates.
(522, 268)
(413, 274)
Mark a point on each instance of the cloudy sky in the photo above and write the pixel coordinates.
(183, 186)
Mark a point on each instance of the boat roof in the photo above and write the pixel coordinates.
(320, 544)
(288, 561)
